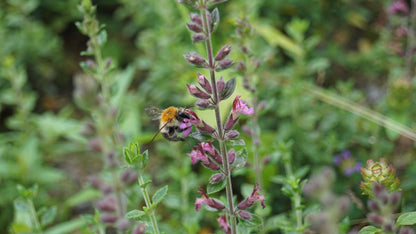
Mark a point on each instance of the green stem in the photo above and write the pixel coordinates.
(35, 220)
(296, 197)
(221, 140)
(148, 202)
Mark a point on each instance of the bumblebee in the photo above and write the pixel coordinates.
(169, 121)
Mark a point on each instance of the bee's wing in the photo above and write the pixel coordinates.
(153, 112)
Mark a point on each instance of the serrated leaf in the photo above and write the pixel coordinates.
(240, 158)
(369, 230)
(135, 214)
(213, 188)
(255, 221)
(144, 159)
(198, 136)
(408, 218)
(236, 142)
(49, 216)
(228, 89)
(159, 195)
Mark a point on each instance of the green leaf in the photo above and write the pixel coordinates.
(240, 158)
(49, 216)
(215, 19)
(408, 218)
(236, 142)
(85, 195)
(279, 179)
(135, 214)
(369, 230)
(228, 89)
(144, 159)
(102, 37)
(255, 221)
(66, 227)
(159, 195)
(213, 188)
(21, 206)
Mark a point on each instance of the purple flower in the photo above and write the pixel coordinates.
(186, 124)
(255, 196)
(197, 154)
(222, 220)
(399, 7)
(346, 163)
(239, 106)
(213, 203)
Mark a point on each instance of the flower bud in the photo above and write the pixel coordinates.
(194, 27)
(197, 92)
(224, 64)
(205, 128)
(216, 178)
(108, 218)
(266, 160)
(395, 198)
(210, 165)
(203, 103)
(220, 85)
(108, 62)
(96, 182)
(406, 230)
(122, 224)
(373, 206)
(244, 215)
(241, 67)
(198, 37)
(107, 204)
(375, 218)
(195, 59)
(106, 189)
(95, 145)
(203, 81)
(139, 229)
(111, 160)
(231, 156)
(232, 134)
(195, 18)
(229, 124)
(224, 51)
(129, 176)
(389, 227)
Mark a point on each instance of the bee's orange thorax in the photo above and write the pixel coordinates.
(168, 114)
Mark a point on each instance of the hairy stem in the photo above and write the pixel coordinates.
(221, 140)
(148, 202)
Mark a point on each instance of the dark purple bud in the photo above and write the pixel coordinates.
(375, 218)
(122, 224)
(246, 129)
(195, 18)
(198, 37)
(139, 229)
(203, 103)
(96, 182)
(229, 124)
(195, 59)
(241, 67)
(389, 227)
(112, 161)
(231, 156)
(129, 176)
(373, 206)
(216, 178)
(232, 134)
(88, 129)
(108, 218)
(108, 203)
(224, 64)
(197, 92)
(224, 51)
(395, 198)
(406, 230)
(266, 160)
(205, 128)
(91, 64)
(245, 49)
(210, 165)
(244, 215)
(194, 27)
(107, 189)
(203, 81)
(220, 85)
(95, 145)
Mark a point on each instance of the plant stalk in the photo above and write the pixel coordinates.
(221, 140)
(148, 202)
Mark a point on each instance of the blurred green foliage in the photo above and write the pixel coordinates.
(339, 45)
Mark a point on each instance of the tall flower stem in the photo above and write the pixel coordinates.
(221, 140)
(148, 204)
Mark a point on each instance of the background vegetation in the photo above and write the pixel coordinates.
(334, 77)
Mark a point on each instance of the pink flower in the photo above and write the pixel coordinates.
(239, 106)
(224, 224)
(213, 203)
(186, 124)
(255, 196)
(399, 7)
(197, 154)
